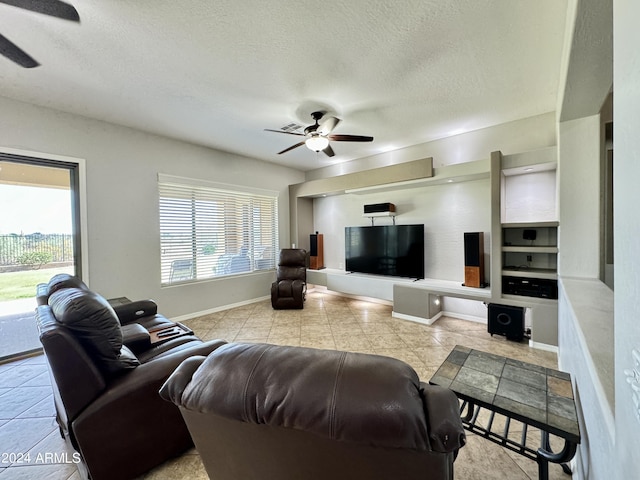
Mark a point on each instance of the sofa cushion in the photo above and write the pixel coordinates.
(92, 320)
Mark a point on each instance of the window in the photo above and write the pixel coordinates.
(210, 230)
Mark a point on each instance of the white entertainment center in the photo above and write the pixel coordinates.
(501, 197)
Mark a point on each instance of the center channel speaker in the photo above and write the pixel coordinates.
(474, 259)
(506, 320)
(379, 208)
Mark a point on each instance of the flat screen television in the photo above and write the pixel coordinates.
(396, 250)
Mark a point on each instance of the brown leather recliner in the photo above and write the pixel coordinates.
(106, 370)
(289, 289)
(262, 412)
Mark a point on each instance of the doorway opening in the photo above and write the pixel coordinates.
(39, 237)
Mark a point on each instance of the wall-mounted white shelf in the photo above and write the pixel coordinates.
(373, 215)
(546, 273)
(380, 214)
(530, 224)
(461, 172)
(529, 249)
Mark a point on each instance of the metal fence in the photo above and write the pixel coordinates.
(35, 248)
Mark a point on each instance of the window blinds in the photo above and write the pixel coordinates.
(210, 230)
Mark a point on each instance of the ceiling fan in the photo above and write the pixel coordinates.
(319, 134)
(54, 8)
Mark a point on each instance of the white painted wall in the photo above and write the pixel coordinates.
(447, 211)
(626, 113)
(123, 229)
(514, 137)
(579, 197)
(530, 197)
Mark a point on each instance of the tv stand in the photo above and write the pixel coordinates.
(413, 299)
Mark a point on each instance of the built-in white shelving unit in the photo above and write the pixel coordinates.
(522, 198)
(526, 257)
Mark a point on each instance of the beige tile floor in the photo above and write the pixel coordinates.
(27, 422)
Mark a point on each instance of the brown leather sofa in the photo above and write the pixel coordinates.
(106, 370)
(288, 291)
(263, 412)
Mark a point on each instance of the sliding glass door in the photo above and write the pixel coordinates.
(39, 237)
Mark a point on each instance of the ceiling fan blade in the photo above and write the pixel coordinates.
(280, 131)
(16, 54)
(350, 138)
(54, 8)
(328, 125)
(329, 151)
(291, 147)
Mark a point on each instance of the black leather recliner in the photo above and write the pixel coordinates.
(106, 370)
(289, 289)
(271, 412)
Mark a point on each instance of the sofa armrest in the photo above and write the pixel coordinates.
(130, 428)
(173, 388)
(151, 374)
(42, 293)
(132, 311)
(136, 337)
(76, 376)
(129, 396)
(442, 412)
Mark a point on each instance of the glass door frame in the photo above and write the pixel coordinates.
(77, 168)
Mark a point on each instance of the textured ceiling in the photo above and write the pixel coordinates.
(217, 73)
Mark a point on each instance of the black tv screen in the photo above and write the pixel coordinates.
(396, 250)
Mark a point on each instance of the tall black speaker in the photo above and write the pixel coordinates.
(506, 320)
(316, 251)
(474, 259)
(313, 245)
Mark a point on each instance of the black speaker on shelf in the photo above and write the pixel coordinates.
(379, 208)
(474, 259)
(506, 320)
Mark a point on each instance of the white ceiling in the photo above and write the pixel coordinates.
(217, 73)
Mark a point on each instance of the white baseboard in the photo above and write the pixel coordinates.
(543, 346)
(412, 318)
(189, 316)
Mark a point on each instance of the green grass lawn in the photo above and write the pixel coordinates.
(15, 285)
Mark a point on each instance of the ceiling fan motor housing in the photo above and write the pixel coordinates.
(311, 129)
(318, 136)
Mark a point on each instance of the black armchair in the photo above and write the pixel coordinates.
(106, 370)
(289, 289)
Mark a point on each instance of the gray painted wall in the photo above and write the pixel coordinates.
(122, 165)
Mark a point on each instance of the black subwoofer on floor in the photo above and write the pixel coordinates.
(506, 320)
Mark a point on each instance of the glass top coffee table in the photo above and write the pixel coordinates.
(536, 396)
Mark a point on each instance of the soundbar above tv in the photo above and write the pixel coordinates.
(394, 250)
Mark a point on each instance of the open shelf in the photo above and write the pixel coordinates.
(546, 273)
(530, 259)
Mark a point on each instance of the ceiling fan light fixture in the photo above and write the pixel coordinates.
(317, 143)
